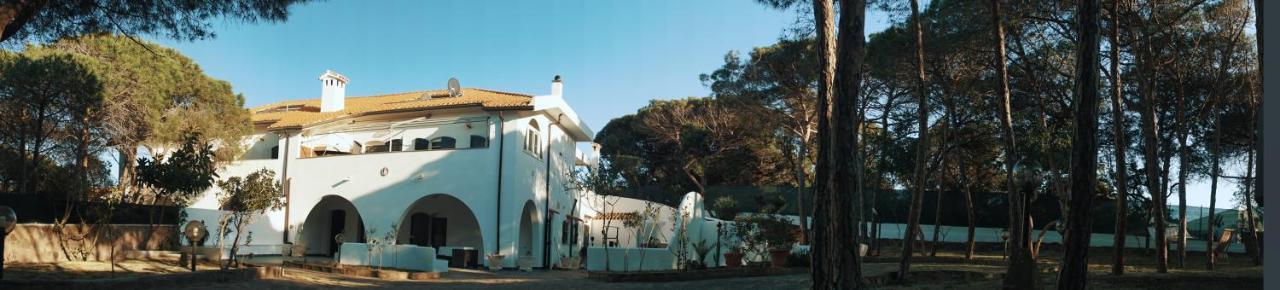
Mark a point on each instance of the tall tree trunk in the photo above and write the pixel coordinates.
(16, 14)
(968, 208)
(1183, 163)
(128, 155)
(1257, 146)
(922, 148)
(1212, 241)
(1122, 144)
(885, 143)
(942, 173)
(1022, 271)
(1084, 150)
(937, 221)
(1151, 154)
(843, 183)
(1252, 233)
(821, 271)
(798, 165)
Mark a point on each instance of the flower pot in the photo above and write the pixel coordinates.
(570, 263)
(778, 258)
(732, 259)
(525, 263)
(495, 262)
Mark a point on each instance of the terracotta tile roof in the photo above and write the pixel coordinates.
(302, 113)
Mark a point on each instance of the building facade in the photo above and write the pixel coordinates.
(462, 168)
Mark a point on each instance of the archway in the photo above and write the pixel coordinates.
(527, 217)
(443, 222)
(332, 215)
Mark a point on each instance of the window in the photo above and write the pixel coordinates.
(573, 232)
(275, 152)
(376, 146)
(443, 143)
(564, 232)
(397, 145)
(478, 141)
(532, 142)
(421, 144)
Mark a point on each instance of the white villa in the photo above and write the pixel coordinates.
(469, 172)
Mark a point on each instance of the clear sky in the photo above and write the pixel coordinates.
(614, 56)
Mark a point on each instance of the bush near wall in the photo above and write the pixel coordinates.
(48, 208)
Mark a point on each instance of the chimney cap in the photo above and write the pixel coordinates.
(330, 74)
(556, 80)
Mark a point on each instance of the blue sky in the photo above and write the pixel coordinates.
(614, 56)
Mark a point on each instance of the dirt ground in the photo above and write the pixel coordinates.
(94, 270)
(947, 271)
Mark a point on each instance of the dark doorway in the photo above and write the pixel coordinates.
(439, 230)
(428, 231)
(337, 224)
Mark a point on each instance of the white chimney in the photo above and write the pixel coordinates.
(557, 88)
(333, 91)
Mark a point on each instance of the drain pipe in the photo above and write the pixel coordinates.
(497, 223)
(284, 176)
(546, 228)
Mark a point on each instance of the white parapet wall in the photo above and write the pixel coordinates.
(406, 257)
(630, 259)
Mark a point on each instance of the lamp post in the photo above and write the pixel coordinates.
(338, 257)
(194, 232)
(9, 220)
(1004, 237)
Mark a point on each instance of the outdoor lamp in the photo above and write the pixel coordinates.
(9, 220)
(194, 231)
(338, 238)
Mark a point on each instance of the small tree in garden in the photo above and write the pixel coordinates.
(243, 199)
(700, 250)
(370, 244)
(747, 230)
(680, 224)
(608, 180)
(726, 208)
(389, 239)
(179, 178)
(775, 231)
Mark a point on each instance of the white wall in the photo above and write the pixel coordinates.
(468, 174)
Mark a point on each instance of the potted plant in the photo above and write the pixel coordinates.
(495, 261)
(779, 237)
(570, 262)
(733, 258)
(525, 262)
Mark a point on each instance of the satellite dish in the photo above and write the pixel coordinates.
(455, 90)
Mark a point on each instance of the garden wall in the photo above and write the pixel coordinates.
(629, 259)
(39, 243)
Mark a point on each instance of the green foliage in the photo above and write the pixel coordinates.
(182, 20)
(242, 199)
(256, 193)
(684, 145)
(155, 94)
(47, 103)
(181, 176)
(726, 208)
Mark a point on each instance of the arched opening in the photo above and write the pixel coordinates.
(527, 217)
(329, 217)
(443, 222)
